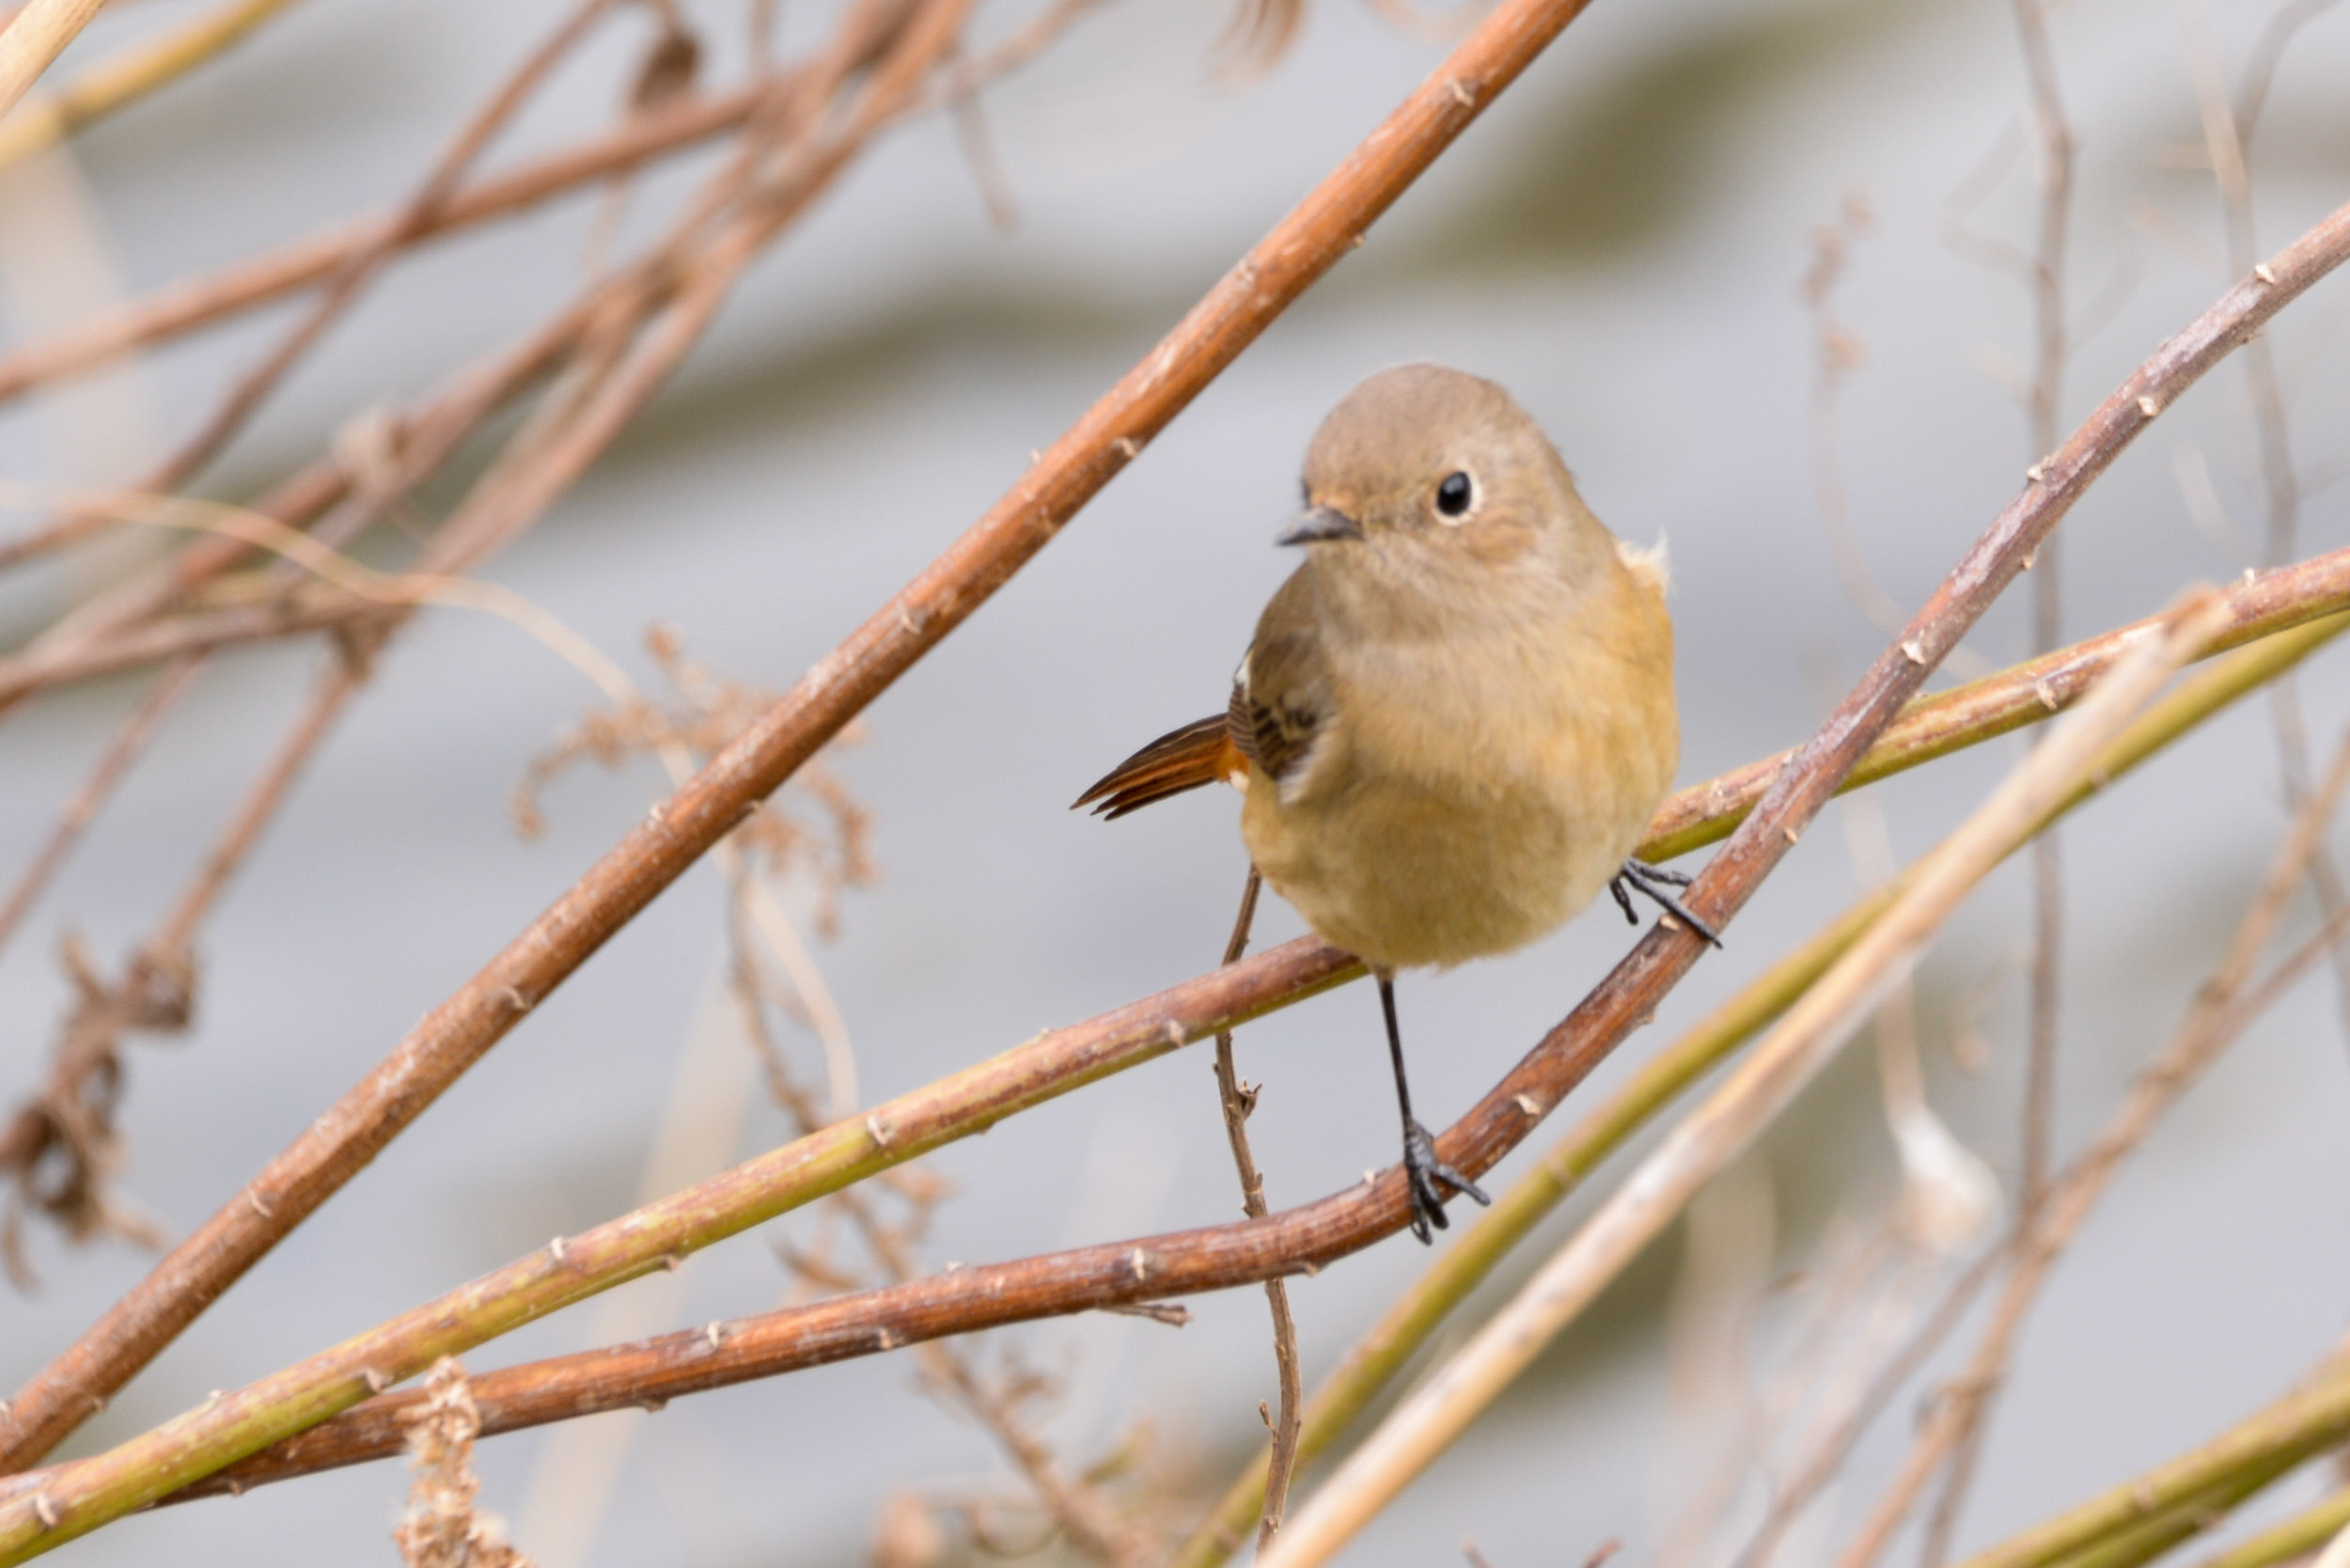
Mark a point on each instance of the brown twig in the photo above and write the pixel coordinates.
(1239, 1100)
(908, 1124)
(84, 1493)
(1298, 251)
(2223, 1005)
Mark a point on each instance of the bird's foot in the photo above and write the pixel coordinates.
(1656, 882)
(1422, 1170)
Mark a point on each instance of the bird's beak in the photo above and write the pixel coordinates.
(1317, 523)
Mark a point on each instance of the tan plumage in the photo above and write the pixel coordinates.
(1452, 733)
(1457, 714)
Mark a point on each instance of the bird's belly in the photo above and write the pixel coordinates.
(1405, 875)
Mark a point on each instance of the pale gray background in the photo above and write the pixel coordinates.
(1620, 243)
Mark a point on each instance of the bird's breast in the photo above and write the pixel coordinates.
(1469, 799)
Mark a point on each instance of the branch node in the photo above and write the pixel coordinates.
(374, 1379)
(46, 1511)
(1527, 1104)
(2149, 407)
(555, 1248)
(2266, 273)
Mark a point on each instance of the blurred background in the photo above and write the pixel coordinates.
(1623, 242)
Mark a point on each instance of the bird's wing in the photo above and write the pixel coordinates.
(1281, 694)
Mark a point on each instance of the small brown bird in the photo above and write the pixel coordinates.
(1457, 714)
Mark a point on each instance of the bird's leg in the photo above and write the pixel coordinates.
(1422, 1170)
(1654, 881)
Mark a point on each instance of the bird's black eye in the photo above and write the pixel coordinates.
(1454, 494)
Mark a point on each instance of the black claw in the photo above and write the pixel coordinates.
(1623, 899)
(1423, 1172)
(1653, 882)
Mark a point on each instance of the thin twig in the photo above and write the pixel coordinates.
(1238, 1101)
(1381, 1355)
(2294, 1429)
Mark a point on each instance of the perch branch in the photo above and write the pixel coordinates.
(965, 1300)
(1702, 1143)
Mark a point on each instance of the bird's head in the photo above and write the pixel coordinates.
(1427, 469)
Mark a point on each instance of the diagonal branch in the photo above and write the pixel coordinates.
(556, 1390)
(82, 1494)
(1306, 243)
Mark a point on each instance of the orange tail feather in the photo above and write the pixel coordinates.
(1199, 753)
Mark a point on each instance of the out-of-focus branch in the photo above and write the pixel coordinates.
(2052, 135)
(191, 302)
(129, 74)
(37, 34)
(2222, 1007)
(1998, 703)
(2295, 1428)
(253, 388)
(2298, 1536)
(1325, 227)
(2228, 140)
(128, 743)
